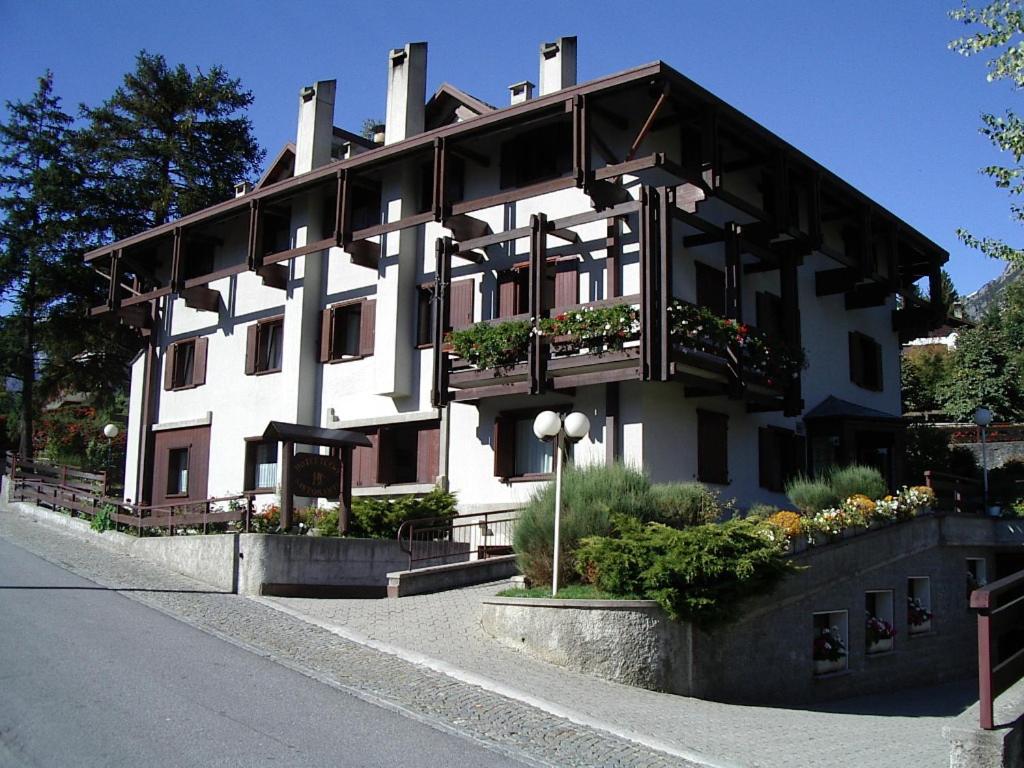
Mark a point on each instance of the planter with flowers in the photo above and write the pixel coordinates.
(492, 345)
(879, 633)
(594, 330)
(919, 618)
(829, 651)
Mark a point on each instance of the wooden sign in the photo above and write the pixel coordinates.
(316, 475)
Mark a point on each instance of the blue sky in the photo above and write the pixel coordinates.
(868, 89)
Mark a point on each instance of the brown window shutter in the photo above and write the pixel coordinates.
(567, 284)
(367, 326)
(386, 455)
(506, 293)
(504, 447)
(250, 349)
(169, 367)
(199, 362)
(428, 449)
(364, 463)
(712, 447)
(326, 325)
(462, 293)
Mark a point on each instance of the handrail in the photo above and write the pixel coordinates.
(469, 534)
(999, 667)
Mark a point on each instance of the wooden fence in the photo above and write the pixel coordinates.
(1000, 607)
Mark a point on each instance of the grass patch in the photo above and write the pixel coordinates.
(570, 592)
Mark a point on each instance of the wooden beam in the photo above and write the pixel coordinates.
(612, 449)
(565, 234)
(613, 254)
(537, 279)
(201, 298)
(495, 239)
(604, 194)
(477, 257)
(831, 281)
(465, 227)
(666, 201)
(704, 238)
(364, 253)
(274, 275)
(443, 247)
(869, 295)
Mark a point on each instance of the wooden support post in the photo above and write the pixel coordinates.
(345, 505)
(581, 142)
(254, 258)
(645, 236)
(666, 201)
(113, 298)
(177, 283)
(789, 296)
(439, 204)
(443, 248)
(537, 361)
(613, 255)
(612, 450)
(734, 304)
(287, 499)
(339, 203)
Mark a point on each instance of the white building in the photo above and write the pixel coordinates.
(311, 298)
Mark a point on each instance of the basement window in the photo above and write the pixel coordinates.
(879, 627)
(919, 605)
(831, 642)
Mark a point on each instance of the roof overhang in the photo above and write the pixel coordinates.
(307, 435)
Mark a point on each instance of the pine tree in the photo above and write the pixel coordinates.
(166, 144)
(38, 260)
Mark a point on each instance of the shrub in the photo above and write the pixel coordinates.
(1006, 483)
(809, 495)
(381, 518)
(492, 345)
(681, 505)
(760, 511)
(590, 496)
(857, 480)
(103, 520)
(697, 574)
(789, 523)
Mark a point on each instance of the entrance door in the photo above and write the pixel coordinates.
(181, 465)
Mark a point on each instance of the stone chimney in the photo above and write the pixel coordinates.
(520, 92)
(316, 126)
(557, 65)
(407, 92)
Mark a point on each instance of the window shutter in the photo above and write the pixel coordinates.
(364, 463)
(169, 367)
(506, 293)
(386, 456)
(504, 447)
(199, 362)
(326, 325)
(250, 349)
(567, 284)
(428, 448)
(712, 447)
(367, 326)
(462, 292)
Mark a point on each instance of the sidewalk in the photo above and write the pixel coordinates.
(442, 632)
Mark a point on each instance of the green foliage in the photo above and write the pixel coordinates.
(492, 345)
(697, 574)
(680, 505)
(985, 373)
(590, 496)
(857, 479)
(103, 520)
(810, 495)
(592, 327)
(1006, 483)
(570, 592)
(760, 511)
(998, 29)
(924, 377)
(928, 448)
(381, 518)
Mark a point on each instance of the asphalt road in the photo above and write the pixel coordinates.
(89, 677)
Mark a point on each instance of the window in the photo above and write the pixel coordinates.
(263, 346)
(517, 451)
(536, 155)
(398, 454)
(710, 288)
(879, 629)
(260, 465)
(780, 457)
(919, 605)
(177, 472)
(712, 447)
(347, 331)
(865, 361)
(185, 364)
(830, 642)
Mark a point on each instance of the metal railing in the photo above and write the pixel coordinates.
(442, 540)
(1000, 607)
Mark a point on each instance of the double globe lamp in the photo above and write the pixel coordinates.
(550, 426)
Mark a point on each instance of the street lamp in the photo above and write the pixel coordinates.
(983, 417)
(110, 431)
(549, 426)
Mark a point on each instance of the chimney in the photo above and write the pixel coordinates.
(316, 126)
(242, 188)
(520, 92)
(407, 92)
(557, 65)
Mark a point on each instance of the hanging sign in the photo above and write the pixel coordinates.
(316, 475)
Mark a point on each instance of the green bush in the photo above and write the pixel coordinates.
(381, 518)
(681, 505)
(760, 511)
(856, 478)
(1006, 483)
(590, 496)
(697, 574)
(103, 520)
(810, 495)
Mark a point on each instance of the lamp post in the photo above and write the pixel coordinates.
(549, 426)
(110, 431)
(983, 417)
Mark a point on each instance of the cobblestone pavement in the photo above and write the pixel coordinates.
(512, 727)
(428, 656)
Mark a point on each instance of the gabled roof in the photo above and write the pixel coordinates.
(449, 105)
(283, 167)
(362, 141)
(834, 408)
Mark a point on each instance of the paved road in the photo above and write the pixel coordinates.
(89, 677)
